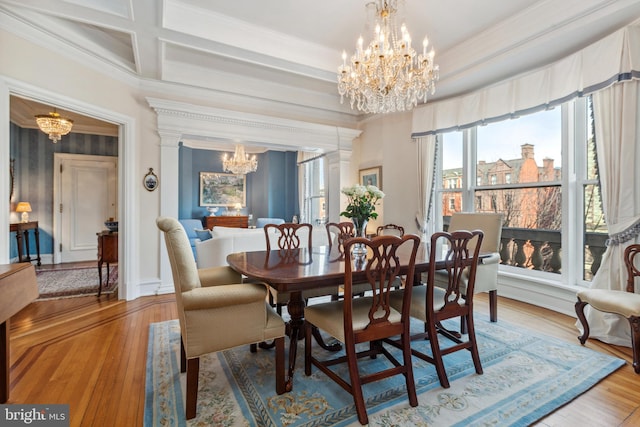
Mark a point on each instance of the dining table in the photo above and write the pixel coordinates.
(297, 270)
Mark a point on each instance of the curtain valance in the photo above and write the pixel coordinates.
(614, 58)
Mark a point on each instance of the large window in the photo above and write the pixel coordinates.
(314, 206)
(517, 167)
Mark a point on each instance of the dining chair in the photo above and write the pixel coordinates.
(369, 319)
(287, 237)
(338, 234)
(624, 303)
(433, 305)
(487, 273)
(390, 229)
(209, 298)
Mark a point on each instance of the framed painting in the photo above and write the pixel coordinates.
(371, 176)
(222, 189)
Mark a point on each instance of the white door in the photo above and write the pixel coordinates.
(87, 197)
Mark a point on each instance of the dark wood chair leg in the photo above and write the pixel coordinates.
(634, 321)
(183, 357)
(493, 305)
(193, 370)
(583, 320)
(253, 348)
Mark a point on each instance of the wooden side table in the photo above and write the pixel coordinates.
(237, 221)
(107, 253)
(22, 238)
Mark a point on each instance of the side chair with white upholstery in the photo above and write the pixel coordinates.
(368, 319)
(625, 303)
(216, 296)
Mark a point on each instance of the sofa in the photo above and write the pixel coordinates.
(190, 226)
(261, 222)
(226, 240)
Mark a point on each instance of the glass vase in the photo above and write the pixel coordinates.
(360, 230)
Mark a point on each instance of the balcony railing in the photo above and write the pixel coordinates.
(537, 249)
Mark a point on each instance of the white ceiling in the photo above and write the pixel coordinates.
(288, 51)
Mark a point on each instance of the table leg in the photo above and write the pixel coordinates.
(27, 256)
(295, 329)
(37, 236)
(19, 243)
(100, 276)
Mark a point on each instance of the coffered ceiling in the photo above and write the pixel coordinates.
(287, 51)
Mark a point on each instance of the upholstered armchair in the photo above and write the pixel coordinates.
(216, 296)
(487, 272)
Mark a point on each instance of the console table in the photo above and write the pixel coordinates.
(18, 288)
(107, 253)
(22, 238)
(237, 221)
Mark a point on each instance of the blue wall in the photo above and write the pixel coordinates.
(33, 153)
(272, 191)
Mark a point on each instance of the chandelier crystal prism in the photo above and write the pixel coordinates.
(54, 125)
(387, 75)
(240, 163)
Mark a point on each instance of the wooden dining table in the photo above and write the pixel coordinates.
(309, 268)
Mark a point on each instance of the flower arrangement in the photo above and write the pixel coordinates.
(362, 202)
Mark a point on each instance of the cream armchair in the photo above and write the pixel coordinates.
(487, 273)
(216, 296)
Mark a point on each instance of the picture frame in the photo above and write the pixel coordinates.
(222, 189)
(371, 176)
(150, 180)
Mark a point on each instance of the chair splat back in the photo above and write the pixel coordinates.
(342, 231)
(289, 235)
(462, 254)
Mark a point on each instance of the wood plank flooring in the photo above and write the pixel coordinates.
(91, 354)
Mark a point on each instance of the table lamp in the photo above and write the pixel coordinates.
(25, 208)
(238, 206)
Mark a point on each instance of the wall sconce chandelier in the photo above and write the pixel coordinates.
(240, 163)
(54, 125)
(388, 75)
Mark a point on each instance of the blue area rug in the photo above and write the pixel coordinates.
(526, 376)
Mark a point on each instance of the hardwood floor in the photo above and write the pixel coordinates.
(91, 354)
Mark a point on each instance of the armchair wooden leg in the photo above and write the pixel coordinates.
(493, 305)
(583, 320)
(281, 386)
(193, 370)
(183, 357)
(634, 321)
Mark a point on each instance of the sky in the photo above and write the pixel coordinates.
(502, 140)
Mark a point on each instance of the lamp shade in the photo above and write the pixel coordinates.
(23, 207)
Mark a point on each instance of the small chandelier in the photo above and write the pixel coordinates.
(54, 125)
(388, 75)
(240, 163)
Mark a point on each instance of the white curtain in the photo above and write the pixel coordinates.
(617, 121)
(426, 148)
(614, 58)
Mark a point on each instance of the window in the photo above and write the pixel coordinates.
(314, 208)
(518, 168)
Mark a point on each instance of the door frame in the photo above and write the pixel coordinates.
(128, 242)
(58, 158)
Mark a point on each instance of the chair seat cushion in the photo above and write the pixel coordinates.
(624, 303)
(329, 316)
(418, 305)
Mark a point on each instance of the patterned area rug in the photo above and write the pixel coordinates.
(526, 376)
(75, 282)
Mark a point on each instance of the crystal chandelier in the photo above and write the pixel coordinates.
(54, 125)
(388, 75)
(240, 163)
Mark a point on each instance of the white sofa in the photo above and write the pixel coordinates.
(227, 240)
